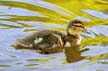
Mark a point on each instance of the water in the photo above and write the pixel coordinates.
(11, 59)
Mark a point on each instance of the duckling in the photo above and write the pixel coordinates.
(74, 28)
(50, 41)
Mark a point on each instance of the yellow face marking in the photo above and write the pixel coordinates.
(78, 29)
(73, 32)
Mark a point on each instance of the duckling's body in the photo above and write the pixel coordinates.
(49, 41)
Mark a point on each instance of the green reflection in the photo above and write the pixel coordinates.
(39, 60)
(31, 65)
(4, 65)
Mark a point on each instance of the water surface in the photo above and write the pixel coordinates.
(11, 59)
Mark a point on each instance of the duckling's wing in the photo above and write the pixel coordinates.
(26, 41)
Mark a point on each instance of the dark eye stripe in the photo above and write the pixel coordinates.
(78, 26)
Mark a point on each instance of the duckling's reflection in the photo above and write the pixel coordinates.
(73, 54)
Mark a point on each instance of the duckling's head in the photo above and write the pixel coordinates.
(75, 27)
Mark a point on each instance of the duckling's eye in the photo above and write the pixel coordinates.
(79, 26)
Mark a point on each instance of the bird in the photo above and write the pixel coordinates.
(74, 28)
(52, 41)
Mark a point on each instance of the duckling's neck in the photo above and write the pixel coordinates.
(76, 36)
